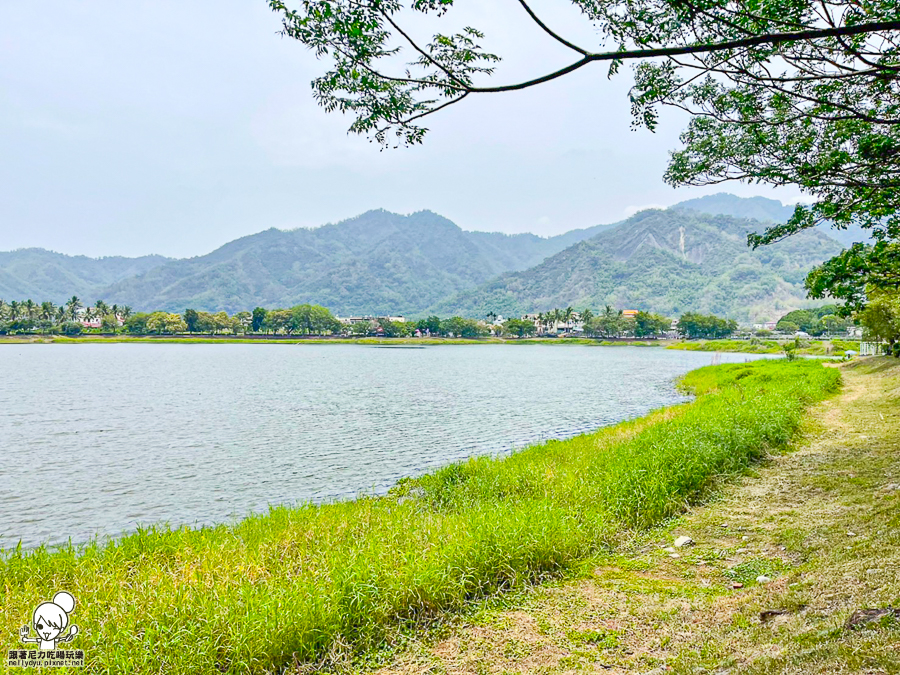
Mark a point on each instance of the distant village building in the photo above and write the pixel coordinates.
(545, 327)
(350, 320)
(92, 320)
(766, 325)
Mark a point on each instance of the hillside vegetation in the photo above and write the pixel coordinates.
(767, 210)
(381, 263)
(44, 275)
(378, 263)
(668, 262)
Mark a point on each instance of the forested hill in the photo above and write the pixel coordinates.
(379, 263)
(44, 275)
(766, 210)
(385, 263)
(668, 261)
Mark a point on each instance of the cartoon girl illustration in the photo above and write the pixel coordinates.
(51, 619)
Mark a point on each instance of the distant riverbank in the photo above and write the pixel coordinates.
(809, 347)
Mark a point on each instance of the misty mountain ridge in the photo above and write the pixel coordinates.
(668, 261)
(46, 275)
(378, 263)
(767, 210)
(381, 262)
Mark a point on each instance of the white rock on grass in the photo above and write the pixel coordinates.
(683, 541)
(669, 549)
(763, 579)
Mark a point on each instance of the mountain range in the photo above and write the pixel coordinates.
(678, 259)
(767, 210)
(376, 263)
(669, 262)
(44, 275)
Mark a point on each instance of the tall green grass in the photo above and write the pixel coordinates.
(298, 584)
(835, 347)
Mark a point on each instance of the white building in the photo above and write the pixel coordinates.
(350, 320)
(576, 325)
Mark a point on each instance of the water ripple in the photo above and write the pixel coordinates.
(99, 439)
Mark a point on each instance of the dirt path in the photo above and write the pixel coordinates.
(823, 523)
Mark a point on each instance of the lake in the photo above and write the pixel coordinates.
(99, 438)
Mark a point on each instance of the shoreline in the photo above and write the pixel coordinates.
(350, 574)
(782, 562)
(831, 347)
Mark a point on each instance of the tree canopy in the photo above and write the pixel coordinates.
(694, 325)
(784, 92)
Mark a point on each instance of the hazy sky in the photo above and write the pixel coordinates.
(166, 126)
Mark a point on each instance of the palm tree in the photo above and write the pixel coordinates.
(14, 310)
(46, 313)
(567, 316)
(607, 325)
(29, 308)
(586, 316)
(3, 308)
(102, 308)
(73, 305)
(125, 312)
(61, 314)
(47, 310)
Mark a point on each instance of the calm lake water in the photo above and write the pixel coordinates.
(97, 439)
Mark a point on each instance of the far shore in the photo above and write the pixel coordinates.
(812, 347)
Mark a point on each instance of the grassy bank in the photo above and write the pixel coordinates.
(304, 584)
(807, 347)
(821, 522)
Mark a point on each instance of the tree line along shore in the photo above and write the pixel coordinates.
(74, 319)
(795, 333)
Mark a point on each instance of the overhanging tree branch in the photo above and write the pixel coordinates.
(551, 33)
(756, 40)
